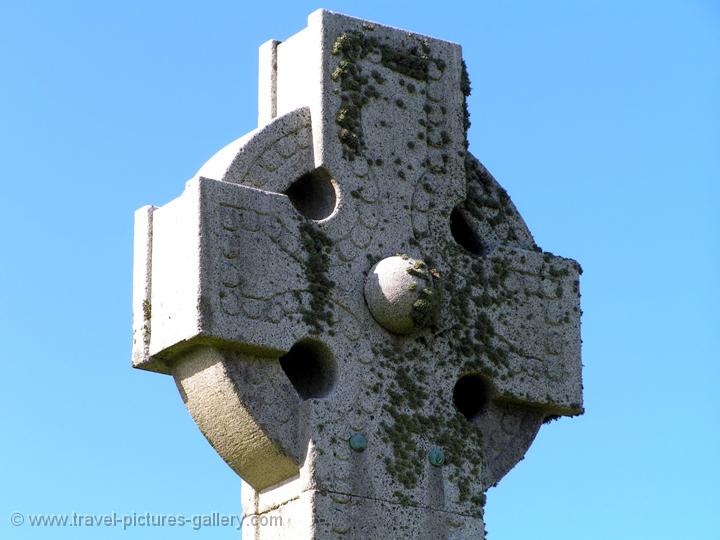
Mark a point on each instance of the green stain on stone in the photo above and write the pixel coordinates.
(436, 456)
(358, 442)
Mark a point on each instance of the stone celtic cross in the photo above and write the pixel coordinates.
(354, 312)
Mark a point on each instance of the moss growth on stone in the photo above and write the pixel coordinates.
(354, 46)
(317, 247)
(409, 394)
(415, 417)
(466, 89)
(147, 310)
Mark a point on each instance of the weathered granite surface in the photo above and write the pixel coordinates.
(353, 310)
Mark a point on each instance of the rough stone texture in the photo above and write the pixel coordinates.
(251, 288)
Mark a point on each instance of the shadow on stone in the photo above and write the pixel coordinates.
(464, 234)
(313, 194)
(311, 368)
(471, 395)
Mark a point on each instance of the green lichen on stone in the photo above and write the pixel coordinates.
(558, 272)
(409, 430)
(147, 310)
(425, 308)
(489, 205)
(375, 74)
(147, 315)
(316, 264)
(353, 46)
(415, 415)
(474, 341)
(475, 348)
(465, 88)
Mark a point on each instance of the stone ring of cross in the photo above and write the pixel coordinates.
(354, 312)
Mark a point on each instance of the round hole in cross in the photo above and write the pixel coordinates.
(311, 368)
(463, 233)
(314, 194)
(471, 395)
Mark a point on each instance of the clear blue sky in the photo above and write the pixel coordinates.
(602, 120)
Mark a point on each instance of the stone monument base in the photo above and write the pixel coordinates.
(317, 515)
